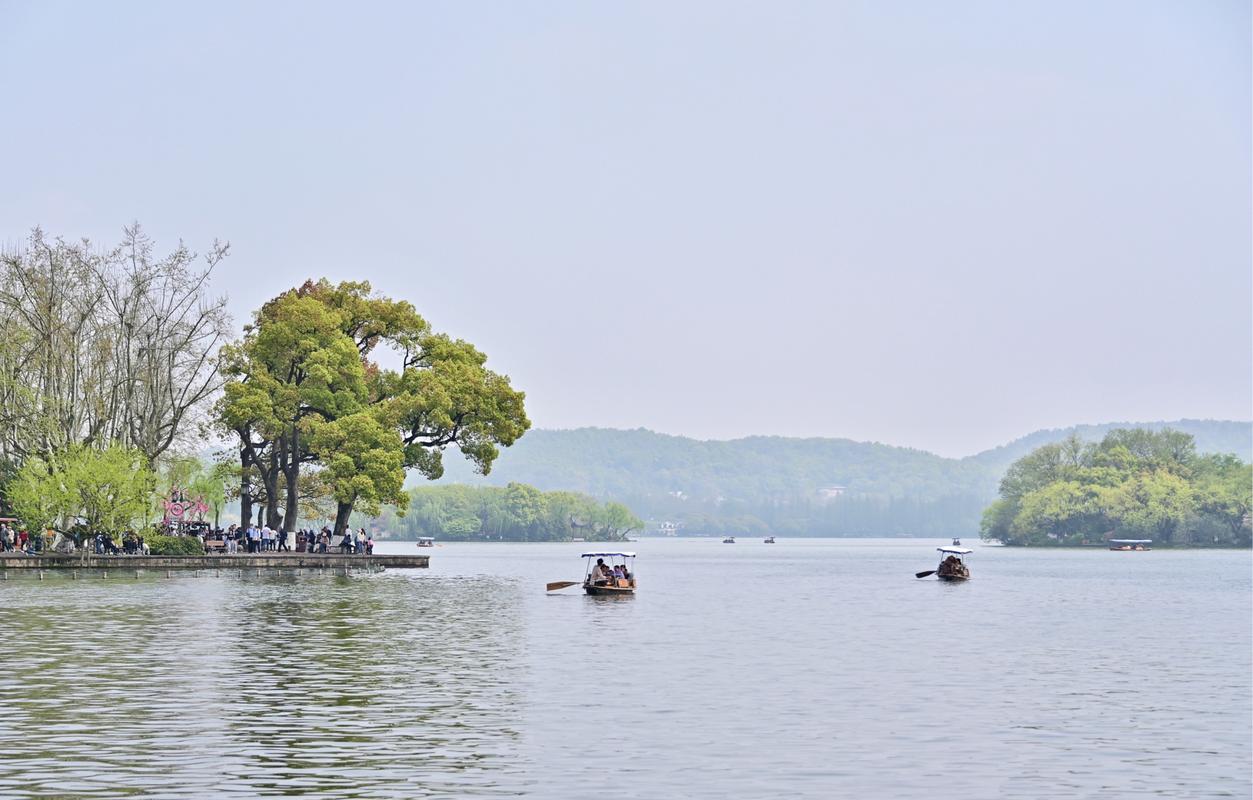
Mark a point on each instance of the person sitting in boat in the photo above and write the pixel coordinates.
(625, 573)
(617, 572)
(597, 577)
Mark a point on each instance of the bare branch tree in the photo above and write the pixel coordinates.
(106, 346)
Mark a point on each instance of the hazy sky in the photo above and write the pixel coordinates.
(934, 224)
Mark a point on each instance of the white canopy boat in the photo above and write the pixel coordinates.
(953, 564)
(598, 584)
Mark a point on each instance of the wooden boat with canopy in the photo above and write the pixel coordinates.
(603, 585)
(953, 564)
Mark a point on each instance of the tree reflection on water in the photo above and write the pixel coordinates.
(374, 685)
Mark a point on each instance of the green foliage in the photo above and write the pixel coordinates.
(302, 388)
(38, 495)
(109, 490)
(160, 545)
(514, 513)
(1132, 484)
(198, 479)
(210, 484)
(1222, 495)
(362, 460)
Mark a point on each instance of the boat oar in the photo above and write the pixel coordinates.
(924, 574)
(552, 587)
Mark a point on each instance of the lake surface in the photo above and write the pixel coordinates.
(809, 668)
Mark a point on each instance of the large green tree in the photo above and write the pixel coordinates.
(305, 376)
(295, 366)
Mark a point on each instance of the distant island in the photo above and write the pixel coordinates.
(1134, 483)
(789, 486)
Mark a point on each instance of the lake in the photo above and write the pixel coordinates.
(808, 668)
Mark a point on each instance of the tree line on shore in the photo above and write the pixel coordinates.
(763, 485)
(119, 362)
(516, 512)
(1132, 484)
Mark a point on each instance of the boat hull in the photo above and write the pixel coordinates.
(608, 591)
(953, 577)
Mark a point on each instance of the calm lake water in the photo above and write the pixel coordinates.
(808, 668)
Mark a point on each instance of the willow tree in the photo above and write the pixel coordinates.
(107, 489)
(303, 388)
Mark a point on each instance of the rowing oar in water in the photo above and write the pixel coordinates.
(552, 587)
(924, 574)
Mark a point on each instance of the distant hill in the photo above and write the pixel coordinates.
(1212, 436)
(786, 485)
(602, 461)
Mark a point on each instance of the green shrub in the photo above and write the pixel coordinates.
(159, 545)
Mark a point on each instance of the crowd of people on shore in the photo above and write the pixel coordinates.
(132, 545)
(264, 539)
(235, 539)
(13, 540)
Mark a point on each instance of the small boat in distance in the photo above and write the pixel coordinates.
(426, 541)
(1130, 544)
(953, 564)
(768, 540)
(957, 542)
(605, 586)
(729, 540)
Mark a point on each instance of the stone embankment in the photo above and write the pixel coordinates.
(241, 561)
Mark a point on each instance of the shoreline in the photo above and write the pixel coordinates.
(240, 561)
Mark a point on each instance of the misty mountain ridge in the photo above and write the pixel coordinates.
(614, 462)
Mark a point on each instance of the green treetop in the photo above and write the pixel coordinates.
(1134, 483)
(303, 389)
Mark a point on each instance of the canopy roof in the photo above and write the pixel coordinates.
(601, 555)
(961, 551)
(1131, 541)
